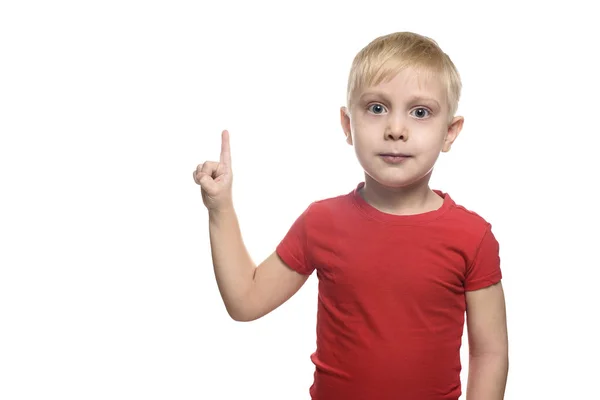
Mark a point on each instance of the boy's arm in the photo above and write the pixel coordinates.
(249, 292)
(488, 343)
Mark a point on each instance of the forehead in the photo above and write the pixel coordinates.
(409, 83)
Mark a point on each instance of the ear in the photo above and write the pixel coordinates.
(345, 121)
(453, 130)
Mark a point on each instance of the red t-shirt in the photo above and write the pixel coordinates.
(391, 301)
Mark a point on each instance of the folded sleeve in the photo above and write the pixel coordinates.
(294, 247)
(485, 267)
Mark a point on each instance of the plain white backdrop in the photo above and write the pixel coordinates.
(106, 283)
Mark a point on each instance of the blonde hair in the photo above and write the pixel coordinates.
(387, 55)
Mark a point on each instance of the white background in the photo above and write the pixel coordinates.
(106, 284)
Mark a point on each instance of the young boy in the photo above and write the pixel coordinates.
(398, 263)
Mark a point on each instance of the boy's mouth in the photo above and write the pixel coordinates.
(394, 155)
(394, 158)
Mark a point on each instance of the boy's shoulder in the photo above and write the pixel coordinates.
(332, 203)
(467, 215)
(466, 225)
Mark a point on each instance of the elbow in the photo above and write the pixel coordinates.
(242, 318)
(239, 317)
(240, 314)
(236, 315)
(242, 309)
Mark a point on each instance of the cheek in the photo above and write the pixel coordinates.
(368, 129)
(427, 138)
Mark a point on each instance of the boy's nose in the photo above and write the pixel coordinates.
(396, 133)
(391, 135)
(396, 130)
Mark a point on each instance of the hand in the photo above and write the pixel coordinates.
(215, 178)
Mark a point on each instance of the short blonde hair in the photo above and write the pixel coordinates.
(387, 55)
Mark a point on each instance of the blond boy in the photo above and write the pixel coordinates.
(399, 264)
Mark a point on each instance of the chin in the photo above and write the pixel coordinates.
(396, 179)
(395, 182)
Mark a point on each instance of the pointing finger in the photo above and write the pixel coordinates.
(225, 150)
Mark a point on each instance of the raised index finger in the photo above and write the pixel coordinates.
(225, 159)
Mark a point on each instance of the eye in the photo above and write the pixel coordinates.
(421, 113)
(376, 108)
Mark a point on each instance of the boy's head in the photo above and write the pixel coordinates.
(387, 55)
(402, 95)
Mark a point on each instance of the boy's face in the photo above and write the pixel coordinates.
(405, 116)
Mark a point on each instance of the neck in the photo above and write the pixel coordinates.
(416, 198)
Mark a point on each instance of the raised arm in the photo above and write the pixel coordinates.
(249, 292)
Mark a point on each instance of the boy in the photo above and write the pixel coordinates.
(398, 263)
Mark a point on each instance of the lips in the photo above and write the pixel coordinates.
(394, 155)
(394, 158)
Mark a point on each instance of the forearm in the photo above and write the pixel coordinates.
(487, 376)
(234, 269)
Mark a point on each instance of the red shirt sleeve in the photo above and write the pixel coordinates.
(485, 268)
(293, 248)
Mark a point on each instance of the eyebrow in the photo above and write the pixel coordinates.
(413, 99)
